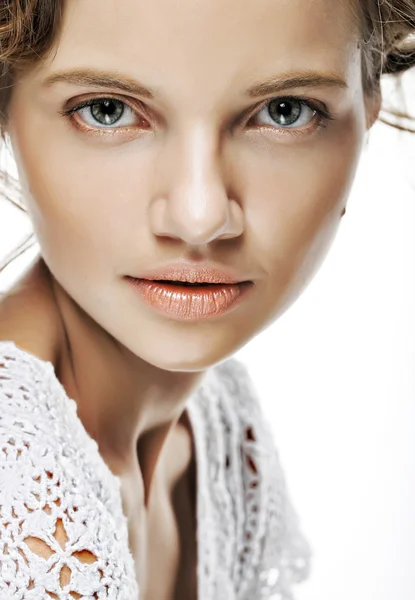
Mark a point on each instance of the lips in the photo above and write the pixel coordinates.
(189, 293)
(192, 273)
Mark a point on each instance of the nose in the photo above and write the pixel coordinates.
(192, 202)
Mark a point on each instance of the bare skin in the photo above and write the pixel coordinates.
(195, 170)
(30, 316)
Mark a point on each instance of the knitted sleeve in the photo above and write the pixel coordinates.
(57, 539)
(276, 555)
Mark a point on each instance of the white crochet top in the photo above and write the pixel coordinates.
(249, 543)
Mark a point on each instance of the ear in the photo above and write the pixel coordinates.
(373, 102)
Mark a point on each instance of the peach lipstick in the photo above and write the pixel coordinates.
(194, 294)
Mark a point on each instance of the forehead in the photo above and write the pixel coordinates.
(208, 41)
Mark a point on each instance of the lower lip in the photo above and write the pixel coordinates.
(190, 303)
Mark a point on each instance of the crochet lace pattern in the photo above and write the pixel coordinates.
(61, 508)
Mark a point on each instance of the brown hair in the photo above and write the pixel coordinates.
(388, 42)
(29, 30)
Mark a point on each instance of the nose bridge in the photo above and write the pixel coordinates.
(196, 206)
(198, 192)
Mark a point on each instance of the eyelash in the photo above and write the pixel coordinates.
(321, 111)
(70, 112)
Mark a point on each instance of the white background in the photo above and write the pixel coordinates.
(336, 378)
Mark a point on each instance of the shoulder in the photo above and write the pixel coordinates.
(25, 393)
(37, 416)
(29, 314)
(234, 377)
(273, 554)
(231, 410)
(54, 530)
(230, 383)
(36, 433)
(55, 525)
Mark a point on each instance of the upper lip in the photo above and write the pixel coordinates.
(193, 273)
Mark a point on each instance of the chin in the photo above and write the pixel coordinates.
(184, 355)
(186, 361)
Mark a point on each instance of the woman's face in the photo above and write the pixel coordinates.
(227, 133)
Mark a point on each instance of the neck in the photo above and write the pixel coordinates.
(127, 405)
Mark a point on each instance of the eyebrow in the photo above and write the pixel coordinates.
(276, 85)
(296, 80)
(101, 79)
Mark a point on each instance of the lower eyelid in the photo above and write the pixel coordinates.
(291, 134)
(82, 126)
(280, 128)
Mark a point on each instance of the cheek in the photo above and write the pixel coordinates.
(294, 198)
(83, 200)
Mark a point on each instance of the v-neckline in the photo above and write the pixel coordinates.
(98, 461)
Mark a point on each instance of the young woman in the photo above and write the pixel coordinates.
(185, 166)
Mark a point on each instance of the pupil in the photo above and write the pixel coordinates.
(108, 104)
(108, 111)
(285, 109)
(285, 112)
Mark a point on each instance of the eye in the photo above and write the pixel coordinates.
(105, 113)
(286, 113)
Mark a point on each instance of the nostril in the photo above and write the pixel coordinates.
(196, 219)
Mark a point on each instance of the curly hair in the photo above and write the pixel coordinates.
(388, 28)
